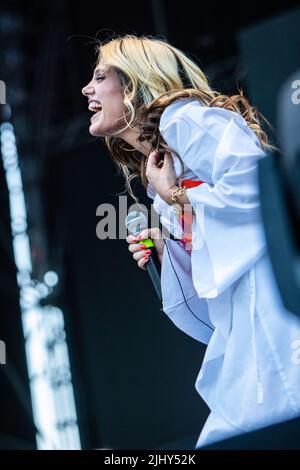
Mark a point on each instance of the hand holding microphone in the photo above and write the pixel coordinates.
(147, 246)
(141, 249)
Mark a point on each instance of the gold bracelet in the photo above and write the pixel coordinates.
(175, 203)
(177, 192)
(177, 209)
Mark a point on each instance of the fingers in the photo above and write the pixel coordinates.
(168, 160)
(138, 255)
(137, 248)
(132, 239)
(142, 263)
(140, 252)
(153, 158)
(153, 233)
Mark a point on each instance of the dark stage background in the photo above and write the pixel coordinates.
(133, 370)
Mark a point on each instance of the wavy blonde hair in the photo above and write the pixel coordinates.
(153, 74)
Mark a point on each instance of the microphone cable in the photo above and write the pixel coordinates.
(181, 288)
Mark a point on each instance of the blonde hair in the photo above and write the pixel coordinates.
(153, 74)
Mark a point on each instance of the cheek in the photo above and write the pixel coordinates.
(116, 105)
(115, 110)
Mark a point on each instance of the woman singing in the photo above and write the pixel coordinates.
(216, 279)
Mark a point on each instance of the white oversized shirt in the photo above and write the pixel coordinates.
(223, 293)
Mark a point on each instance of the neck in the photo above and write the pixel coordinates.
(130, 136)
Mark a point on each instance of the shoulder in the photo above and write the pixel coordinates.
(194, 109)
(178, 110)
(190, 114)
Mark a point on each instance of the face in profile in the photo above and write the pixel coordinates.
(105, 100)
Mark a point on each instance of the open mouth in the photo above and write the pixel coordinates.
(95, 115)
(96, 108)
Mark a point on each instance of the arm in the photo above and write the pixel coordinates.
(220, 149)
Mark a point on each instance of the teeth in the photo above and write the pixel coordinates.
(94, 106)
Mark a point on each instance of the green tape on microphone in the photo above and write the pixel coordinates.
(148, 242)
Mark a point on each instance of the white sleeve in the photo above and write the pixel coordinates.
(221, 150)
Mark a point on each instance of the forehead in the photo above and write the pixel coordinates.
(102, 67)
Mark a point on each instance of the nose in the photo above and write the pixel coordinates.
(87, 90)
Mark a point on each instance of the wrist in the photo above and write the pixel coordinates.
(169, 195)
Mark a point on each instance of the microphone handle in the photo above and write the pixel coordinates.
(154, 276)
(152, 266)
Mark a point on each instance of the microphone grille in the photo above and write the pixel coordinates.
(135, 222)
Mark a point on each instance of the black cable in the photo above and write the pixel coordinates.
(206, 324)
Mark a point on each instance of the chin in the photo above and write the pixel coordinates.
(94, 131)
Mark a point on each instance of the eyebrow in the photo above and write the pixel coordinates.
(100, 70)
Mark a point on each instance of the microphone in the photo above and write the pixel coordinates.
(136, 222)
